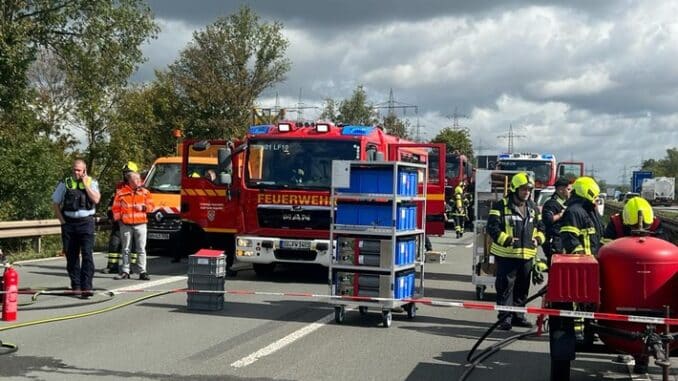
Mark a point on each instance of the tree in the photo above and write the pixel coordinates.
(329, 112)
(396, 126)
(357, 110)
(667, 166)
(224, 69)
(456, 139)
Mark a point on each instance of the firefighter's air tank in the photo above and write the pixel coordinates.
(639, 276)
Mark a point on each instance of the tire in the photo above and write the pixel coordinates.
(480, 292)
(263, 269)
(411, 310)
(339, 314)
(387, 319)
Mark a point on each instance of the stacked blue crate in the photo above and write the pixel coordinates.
(366, 179)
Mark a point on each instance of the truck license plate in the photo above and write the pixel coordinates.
(160, 236)
(295, 244)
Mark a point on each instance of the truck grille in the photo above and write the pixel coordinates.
(165, 224)
(293, 217)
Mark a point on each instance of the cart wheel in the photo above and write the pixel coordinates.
(411, 310)
(480, 292)
(362, 310)
(387, 318)
(339, 314)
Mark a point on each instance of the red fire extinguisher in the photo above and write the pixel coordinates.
(11, 295)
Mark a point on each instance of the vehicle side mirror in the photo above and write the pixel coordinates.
(224, 160)
(225, 178)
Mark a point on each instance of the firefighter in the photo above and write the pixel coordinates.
(637, 218)
(551, 213)
(580, 233)
(114, 242)
(514, 223)
(459, 211)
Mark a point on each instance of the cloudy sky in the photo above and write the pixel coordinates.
(595, 81)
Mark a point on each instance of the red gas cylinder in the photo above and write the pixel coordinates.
(639, 276)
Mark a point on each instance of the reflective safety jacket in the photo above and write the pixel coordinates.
(552, 207)
(131, 205)
(513, 235)
(581, 228)
(459, 209)
(75, 197)
(616, 228)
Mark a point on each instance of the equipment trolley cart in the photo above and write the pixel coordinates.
(377, 237)
(491, 186)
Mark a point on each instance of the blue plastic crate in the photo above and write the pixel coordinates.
(376, 215)
(347, 214)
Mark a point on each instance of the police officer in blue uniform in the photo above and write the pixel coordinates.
(74, 201)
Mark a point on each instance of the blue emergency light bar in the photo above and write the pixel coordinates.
(357, 130)
(547, 156)
(260, 129)
(504, 156)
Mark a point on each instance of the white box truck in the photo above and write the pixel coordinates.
(659, 190)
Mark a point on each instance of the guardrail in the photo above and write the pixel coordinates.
(670, 225)
(36, 229)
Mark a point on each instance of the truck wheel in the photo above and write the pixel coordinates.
(263, 269)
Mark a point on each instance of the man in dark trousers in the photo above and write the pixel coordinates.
(514, 223)
(581, 232)
(74, 201)
(551, 213)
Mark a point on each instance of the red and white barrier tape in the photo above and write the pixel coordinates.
(431, 302)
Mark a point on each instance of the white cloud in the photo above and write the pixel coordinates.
(600, 86)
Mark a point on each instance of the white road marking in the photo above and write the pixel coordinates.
(285, 341)
(50, 258)
(149, 284)
(469, 245)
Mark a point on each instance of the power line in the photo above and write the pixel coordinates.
(510, 136)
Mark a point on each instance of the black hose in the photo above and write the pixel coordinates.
(7, 348)
(489, 351)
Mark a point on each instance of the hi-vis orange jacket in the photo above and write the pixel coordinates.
(131, 205)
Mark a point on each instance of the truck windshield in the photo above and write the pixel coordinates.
(295, 164)
(165, 178)
(542, 169)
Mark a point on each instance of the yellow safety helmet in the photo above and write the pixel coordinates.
(130, 167)
(635, 207)
(458, 190)
(195, 174)
(521, 179)
(586, 188)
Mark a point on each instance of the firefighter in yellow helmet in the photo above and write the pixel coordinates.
(459, 211)
(514, 223)
(637, 218)
(581, 231)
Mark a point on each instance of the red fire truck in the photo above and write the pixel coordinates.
(544, 166)
(270, 200)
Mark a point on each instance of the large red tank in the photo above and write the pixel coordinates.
(639, 276)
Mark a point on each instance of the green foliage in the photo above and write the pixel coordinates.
(357, 110)
(62, 63)
(396, 126)
(456, 140)
(329, 112)
(668, 166)
(224, 69)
